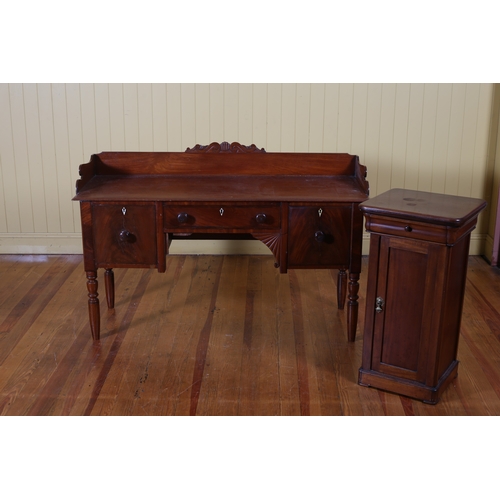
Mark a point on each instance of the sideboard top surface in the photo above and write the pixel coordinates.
(222, 188)
(216, 177)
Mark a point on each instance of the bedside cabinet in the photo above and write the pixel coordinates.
(419, 246)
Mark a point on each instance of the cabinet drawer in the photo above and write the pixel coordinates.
(407, 229)
(319, 236)
(124, 234)
(184, 217)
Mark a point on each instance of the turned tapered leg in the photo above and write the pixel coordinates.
(94, 315)
(352, 306)
(341, 288)
(109, 281)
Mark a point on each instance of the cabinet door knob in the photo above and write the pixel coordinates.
(319, 236)
(408, 229)
(183, 217)
(379, 303)
(261, 218)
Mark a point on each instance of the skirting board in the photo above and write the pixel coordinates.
(71, 243)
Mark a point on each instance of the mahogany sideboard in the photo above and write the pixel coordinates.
(419, 247)
(303, 206)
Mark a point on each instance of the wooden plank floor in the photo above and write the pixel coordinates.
(213, 335)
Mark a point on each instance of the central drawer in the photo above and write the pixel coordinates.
(221, 216)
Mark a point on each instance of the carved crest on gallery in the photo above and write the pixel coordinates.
(225, 147)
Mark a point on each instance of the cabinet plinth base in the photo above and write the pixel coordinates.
(410, 388)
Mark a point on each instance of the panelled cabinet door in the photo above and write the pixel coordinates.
(126, 232)
(407, 307)
(319, 235)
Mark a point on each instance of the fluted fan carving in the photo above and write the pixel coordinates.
(273, 242)
(225, 147)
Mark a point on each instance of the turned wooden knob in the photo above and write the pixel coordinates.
(261, 218)
(126, 236)
(319, 236)
(182, 218)
(408, 229)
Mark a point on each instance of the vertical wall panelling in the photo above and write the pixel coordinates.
(401, 117)
(441, 137)
(483, 167)
(10, 199)
(372, 139)
(3, 212)
(131, 113)
(259, 116)
(331, 118)
(89, 133)
(345, 107)
(245, 114)
(471, 107)
(217, 127)
(428, 134)
(317, 120)
(386, 140)
(21, 164)
(5, 144)
(231, 113)
(159, 109)
(76, 156)
(412, 159)
(65, 189)
(273, 117)
(434, 137)
(145, 116)
(174, 117)
(188, 115)
(116, 117)
(455, 138)
(202, 106)
(48, 151)
(34, 157)
(288, 114)
(480, 182)
(360, 121)
(302, 117)
(102, 116)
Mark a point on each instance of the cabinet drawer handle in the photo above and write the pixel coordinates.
(319, 236)
(408, 229)
(127, 236)
(261, 218)
(183, 217)
(379, 302)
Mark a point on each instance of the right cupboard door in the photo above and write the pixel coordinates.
(407, 305)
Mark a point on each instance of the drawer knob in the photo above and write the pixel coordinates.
(127, 236)
(183, 217)
(319, 236)
(261, 218)
(408, 229)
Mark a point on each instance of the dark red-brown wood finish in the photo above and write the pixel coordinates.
(303, 206)
(419, 246)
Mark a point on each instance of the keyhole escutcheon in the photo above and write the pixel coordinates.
(379, 304)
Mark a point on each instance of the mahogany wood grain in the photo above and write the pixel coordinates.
(418, 265)
(144, 363)
(303, 206)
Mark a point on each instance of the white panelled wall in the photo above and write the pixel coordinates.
(431, 137)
